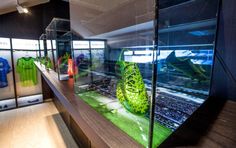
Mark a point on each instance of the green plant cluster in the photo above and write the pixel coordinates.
(64, 59)
(130, 89)
(46, 61)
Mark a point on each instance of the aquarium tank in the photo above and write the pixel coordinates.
(145, 66)
(59, 47)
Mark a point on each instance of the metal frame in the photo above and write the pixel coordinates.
(154, 75)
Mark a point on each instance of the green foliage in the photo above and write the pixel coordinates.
(46, 61)
(64, 60)
(130, 90)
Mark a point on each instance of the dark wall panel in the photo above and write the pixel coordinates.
(56, 8)
(32, 25)
(21, 25)
(224, 72)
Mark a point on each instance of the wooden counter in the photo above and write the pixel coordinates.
(91, 127)
(212, 125)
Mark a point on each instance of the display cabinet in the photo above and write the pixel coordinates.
(185, 58)
(28, 79)
(42, 47)
(154, 68)
(50, 52)
(59, 38)
(44, 55)
(7, 87)
(88, 56)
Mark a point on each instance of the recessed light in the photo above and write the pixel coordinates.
(25, 10)
(21, 9)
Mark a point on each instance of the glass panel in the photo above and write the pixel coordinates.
(5, 43)
(59, 46)
(43, 50)
(186, 42)
(48, 59)
(6, 75)
(7, 97)
(25, 44)
(63, 55)
(82, 58)
(106, 78)
(50, 62)
(28, 78)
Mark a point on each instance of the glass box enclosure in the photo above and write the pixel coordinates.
(42, 48)
(7, 90)
(28, 78)
(153, 70)
(59, 38)
(43, 54)
(51, 51)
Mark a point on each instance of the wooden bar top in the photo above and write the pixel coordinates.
(100, 131)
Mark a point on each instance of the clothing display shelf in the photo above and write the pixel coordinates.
(28, 80)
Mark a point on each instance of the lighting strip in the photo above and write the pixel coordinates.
(171, 46)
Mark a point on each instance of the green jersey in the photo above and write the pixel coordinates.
(27, 71)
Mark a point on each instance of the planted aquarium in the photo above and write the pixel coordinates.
(146, 72)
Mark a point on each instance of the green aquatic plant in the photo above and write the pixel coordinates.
(130, 89)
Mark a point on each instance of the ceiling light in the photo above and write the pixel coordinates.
(21, 9)
(25, 10)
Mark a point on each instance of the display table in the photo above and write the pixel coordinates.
(89, 128)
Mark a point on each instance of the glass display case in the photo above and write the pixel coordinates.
(50, 53)
(153, 70)
(44, 56)
(28, 78)
(88, 56)
(7, 89)
(42, 48)
(59, 38)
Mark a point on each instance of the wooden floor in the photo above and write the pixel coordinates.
(38, 126)
(222, 131)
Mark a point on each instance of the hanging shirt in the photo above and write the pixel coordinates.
(4, 70)
(27, 71)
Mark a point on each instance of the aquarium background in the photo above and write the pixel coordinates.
(117, 80)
